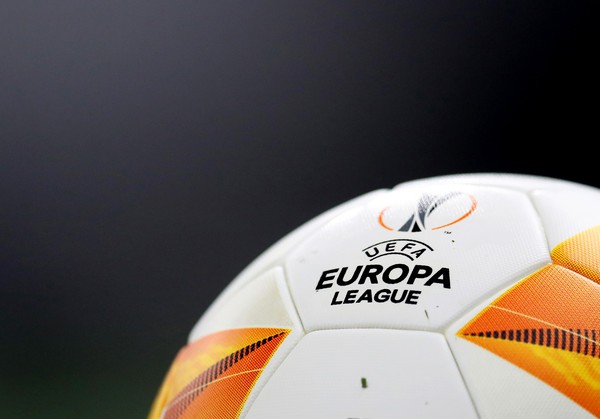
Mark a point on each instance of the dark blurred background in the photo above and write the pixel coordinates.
(149, 150)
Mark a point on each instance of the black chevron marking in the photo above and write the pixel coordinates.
(582, 341)
(209, 375)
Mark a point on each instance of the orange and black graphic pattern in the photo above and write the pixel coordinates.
(547, 324)
(213, 377)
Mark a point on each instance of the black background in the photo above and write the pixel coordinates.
(149, 150)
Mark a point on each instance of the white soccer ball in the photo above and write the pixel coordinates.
(460, 296)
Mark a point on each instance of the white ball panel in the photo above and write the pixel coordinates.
(499, 242)
(263, 302)
(406, 373)
(567, 212)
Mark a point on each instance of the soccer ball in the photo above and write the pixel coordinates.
(459, 296)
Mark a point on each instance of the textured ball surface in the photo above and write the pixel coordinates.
(462, 296)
